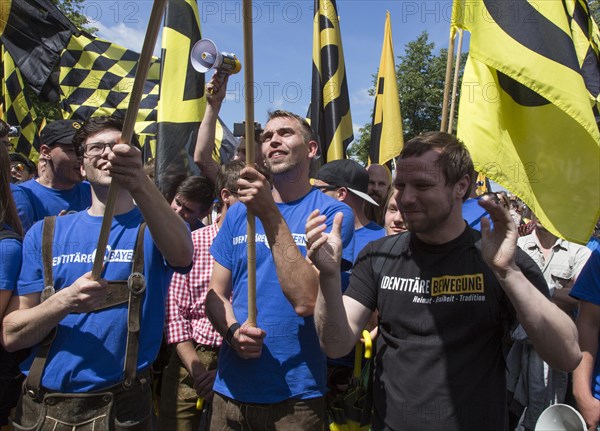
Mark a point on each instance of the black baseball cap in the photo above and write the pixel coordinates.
(59, 132)
(349, 174)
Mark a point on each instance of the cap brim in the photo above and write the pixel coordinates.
(363, 195)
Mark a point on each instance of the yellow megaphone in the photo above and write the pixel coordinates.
(205, 56)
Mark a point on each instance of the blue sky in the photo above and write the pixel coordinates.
(283, 44)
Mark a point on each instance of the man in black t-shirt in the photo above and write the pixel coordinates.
(446, 297)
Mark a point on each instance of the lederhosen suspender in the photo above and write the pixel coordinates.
(117, 292)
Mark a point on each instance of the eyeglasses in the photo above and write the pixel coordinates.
(327, 188)
(94, 149)
(18, 166)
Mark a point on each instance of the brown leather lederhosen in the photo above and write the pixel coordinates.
(117, 292)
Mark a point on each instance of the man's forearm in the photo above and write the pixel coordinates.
(188, 356)
(335, 334)
(297, 278)
(588, 325)
(551, 331)
(205, 144)
(26, 328)
(220, 312)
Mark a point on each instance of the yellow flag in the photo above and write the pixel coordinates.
(526, 110)
(387, 137)
(181, 101)
(330, 104)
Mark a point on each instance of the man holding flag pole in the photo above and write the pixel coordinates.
(273, 373)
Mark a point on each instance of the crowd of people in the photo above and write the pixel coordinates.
(481, 317)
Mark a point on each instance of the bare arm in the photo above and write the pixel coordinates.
(247, 341)
(339, 319)
(203, 379)
(27, 321)
(551, 331)
(169, 232)
(588, 324)
(205, 143)
(298, 279)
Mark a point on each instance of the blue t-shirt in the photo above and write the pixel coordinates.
(89, 349)
(45, 201)
(24, 209)
(10, 258)
(587, 288)
(292, 364)
(473, 213)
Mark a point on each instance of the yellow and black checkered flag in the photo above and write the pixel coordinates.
(96, 78)
(182, 102)
(35, 32)
(526, 108)
(17, 109)
(387, 138)
(330, 104)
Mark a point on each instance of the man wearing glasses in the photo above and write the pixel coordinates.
(96, 339)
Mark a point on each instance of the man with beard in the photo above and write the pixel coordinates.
(272, 376)
(446, 296)
(379, 187)
(60, 186)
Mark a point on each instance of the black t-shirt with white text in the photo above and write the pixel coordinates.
(443, 319)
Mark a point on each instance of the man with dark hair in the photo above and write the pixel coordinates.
(95, 340)
(380, 179)
(59, 186)
(447, 296)
(272, 376)
(195, 344)
(193, 199)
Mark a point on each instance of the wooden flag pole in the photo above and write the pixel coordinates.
(128, 125)
(249, 136)
(443, 127)
(455, 83)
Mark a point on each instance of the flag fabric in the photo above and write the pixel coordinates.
(225, 144)
(17, 110)
(96, 78)
(181, 102)
(529, 91)
(35, 32)
(387, 137)
(329, 114)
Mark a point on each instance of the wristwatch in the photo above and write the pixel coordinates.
(231, 332)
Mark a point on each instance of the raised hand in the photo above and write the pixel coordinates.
(324, 249)
(499, 244)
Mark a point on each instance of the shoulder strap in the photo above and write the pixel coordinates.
(34, 379)
(137, 286)
(47, 243)
(9, 234)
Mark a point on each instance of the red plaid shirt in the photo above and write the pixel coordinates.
(186, 300)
